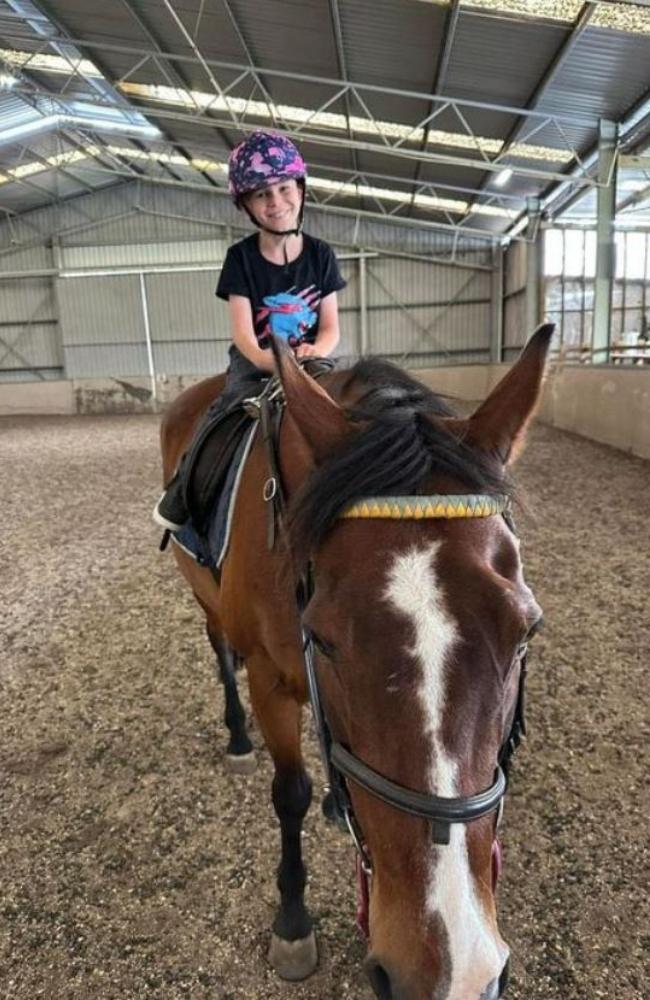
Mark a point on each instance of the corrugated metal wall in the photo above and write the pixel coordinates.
(29, 343)
(124, 283)
(424, 315)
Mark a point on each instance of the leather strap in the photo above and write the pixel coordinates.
(441, 812)
(270, 413)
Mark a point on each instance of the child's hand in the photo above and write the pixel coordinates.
(307, 351)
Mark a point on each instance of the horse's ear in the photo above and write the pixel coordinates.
(499, 425)
(320, 420)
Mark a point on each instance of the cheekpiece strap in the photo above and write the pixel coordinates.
(446, 505)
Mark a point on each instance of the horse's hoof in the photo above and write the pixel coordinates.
(241, 763)
(294, 960)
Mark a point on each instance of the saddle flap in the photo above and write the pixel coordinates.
(209, 462)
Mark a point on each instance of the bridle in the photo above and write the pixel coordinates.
(341, 765)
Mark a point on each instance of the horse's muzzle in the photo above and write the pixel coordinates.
(386, 987)
(498, 986)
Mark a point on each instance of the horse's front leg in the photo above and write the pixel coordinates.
(293, 952)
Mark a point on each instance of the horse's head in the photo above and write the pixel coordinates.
(419, 624)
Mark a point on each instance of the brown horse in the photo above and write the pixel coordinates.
(418, 615)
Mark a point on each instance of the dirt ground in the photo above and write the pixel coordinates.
(132, 866)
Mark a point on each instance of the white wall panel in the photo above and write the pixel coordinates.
(83, 361)
(143, 254)
(103, 332)
(184, 306)
(100, 316)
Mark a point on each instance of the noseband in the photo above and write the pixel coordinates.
(340, 764)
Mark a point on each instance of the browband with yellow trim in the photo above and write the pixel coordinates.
(445, 505)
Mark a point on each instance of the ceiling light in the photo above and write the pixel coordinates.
(503, 177)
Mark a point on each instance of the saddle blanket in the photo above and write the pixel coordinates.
(211, 550)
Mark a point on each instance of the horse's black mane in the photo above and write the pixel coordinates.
(396, 452)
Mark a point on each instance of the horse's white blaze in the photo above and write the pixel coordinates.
(476, 956)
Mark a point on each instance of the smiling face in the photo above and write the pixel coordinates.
(276, 206)
(418, 668)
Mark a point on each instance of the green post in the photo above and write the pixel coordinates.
(605, 245)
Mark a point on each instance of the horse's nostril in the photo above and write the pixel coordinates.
(492, 992)
(379, 979)
(503, 978)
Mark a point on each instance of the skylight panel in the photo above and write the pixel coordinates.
(306, 118)
(552, 10)
(49, 63)
(622, 17)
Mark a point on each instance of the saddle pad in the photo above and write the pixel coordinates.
(211, 550)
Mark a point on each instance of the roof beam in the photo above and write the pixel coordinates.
(172, 75)
(451, 23)
(187, 38)
(557, 63)
(251, 62)
(585, 120)
(337, 28)
(322, 138)
(388, 218)
(119, 101)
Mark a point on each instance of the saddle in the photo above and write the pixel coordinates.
(210, 470)
(208, 460)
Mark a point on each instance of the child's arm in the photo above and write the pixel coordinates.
(243, 333)
(328, 331)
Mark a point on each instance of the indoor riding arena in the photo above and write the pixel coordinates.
(480, 169)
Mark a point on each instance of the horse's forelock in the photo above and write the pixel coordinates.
(398, 449)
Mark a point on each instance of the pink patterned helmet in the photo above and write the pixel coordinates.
(262, 159)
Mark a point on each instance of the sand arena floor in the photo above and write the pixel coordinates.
(131, 866)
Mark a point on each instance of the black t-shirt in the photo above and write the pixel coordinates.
(285, 298)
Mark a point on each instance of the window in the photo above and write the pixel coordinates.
(570, 270)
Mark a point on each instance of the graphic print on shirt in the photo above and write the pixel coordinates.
(290, 315)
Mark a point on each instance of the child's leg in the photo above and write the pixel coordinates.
(242, 379)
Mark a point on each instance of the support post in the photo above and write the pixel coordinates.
(363, 306)
(534, 267)
(605, 246)
(147, 335)
(57, 260)
(496, 331)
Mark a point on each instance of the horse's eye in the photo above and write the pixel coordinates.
(522, 648)
(322, 646)
(535, 628)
